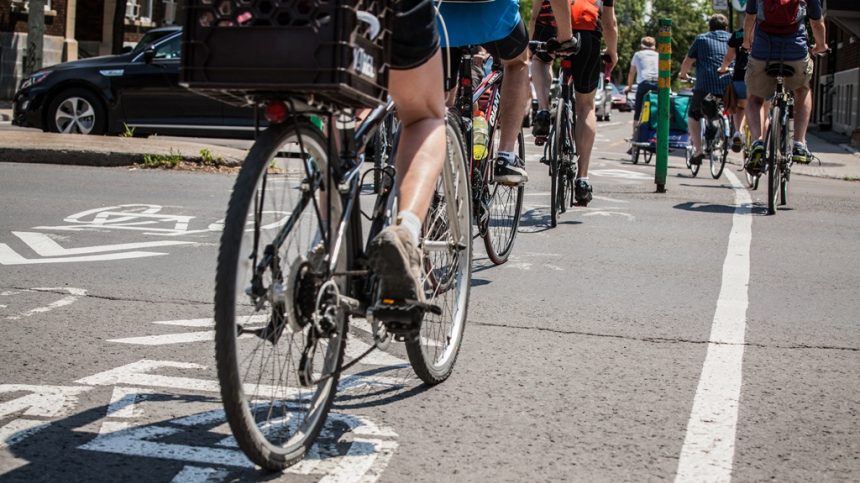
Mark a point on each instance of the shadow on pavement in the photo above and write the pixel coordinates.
(184, 436)
(705, 208)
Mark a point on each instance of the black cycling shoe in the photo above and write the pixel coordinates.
(541, 125)
(582, 192)
(510, 170)
(697, 158)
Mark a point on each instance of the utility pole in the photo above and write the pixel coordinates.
(35, 36)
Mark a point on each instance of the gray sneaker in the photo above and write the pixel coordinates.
(510, 171)
(397, 263)
(800, 154)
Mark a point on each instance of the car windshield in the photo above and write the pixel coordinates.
(150, 38)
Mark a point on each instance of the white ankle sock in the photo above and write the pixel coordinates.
(583, 178)
(509, 156)
(412, 223)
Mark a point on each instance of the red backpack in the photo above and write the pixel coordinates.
(780, 17)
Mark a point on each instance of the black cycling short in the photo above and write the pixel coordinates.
(543, 33)
(700, 108)
(507, 48)
(414, 38)
(587, 64)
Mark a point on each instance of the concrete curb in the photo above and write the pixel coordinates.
(93, 158)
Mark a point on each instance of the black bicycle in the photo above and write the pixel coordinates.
(292, 265)
(714, 135)
(560, 145)
(496, 206)
(778, 146)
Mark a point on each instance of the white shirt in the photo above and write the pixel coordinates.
(646, 62)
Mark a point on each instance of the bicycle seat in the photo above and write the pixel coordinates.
(779, 70)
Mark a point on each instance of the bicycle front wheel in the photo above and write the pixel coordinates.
(278, 361)
(448, 267)
(506, 205)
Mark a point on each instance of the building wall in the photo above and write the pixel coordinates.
(16, 21)
(837, 83)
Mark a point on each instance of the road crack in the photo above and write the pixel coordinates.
(665, 340)
(120, 299)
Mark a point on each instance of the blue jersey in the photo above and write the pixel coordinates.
(476, 23)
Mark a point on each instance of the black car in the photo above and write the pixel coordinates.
(134, 91)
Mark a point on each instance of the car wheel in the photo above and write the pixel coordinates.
(76, 111)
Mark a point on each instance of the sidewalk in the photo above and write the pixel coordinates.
(838, 160)
(32, 146)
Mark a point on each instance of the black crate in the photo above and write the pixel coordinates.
(239, 49)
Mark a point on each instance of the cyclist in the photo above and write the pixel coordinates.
(498, 27)
(776, 31)
(593, 20)
(707, 52)
(415, 84)
(738, 86)
(645, 67)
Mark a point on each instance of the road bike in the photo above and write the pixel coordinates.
(560, 145)
(496, 206)
(777, 160)
(293, 270)
(714, 134)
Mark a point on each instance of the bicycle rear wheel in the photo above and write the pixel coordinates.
(506, 204)
(448, 263)
(773, 171)
(265, 317)
(553, 176)
(719, 152)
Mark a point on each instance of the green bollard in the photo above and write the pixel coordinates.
(664, 87)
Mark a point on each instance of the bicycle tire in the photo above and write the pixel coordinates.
(635, 155)
(566, 167)
(434, 353)
(506, 204)
(773, 171)
(553, 176)
(719, 152)
(273, 441)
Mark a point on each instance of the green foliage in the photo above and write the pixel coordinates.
(689, 19)
(127, 131)
(171, 160)
(209, 158)
(630, 15)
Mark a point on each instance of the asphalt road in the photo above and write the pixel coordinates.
(647, 337)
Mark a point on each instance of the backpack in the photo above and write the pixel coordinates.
(584, 14)
(780, 17)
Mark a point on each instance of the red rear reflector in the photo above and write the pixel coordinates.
(566, 64)
(465, 82)
(276, 112)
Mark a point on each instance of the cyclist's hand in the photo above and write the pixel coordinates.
(613, 58)
(747, 45)
(627, 89)
(820, 49)
(683, 76)
(561, 48)
(723, 69)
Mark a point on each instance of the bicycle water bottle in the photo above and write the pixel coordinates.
(480, 136)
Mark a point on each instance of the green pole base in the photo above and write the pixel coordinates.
(661, 188)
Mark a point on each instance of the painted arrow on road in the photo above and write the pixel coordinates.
(54, 253)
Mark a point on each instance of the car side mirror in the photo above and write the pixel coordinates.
(126, 49)
(148, 55)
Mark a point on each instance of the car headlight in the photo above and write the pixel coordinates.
(35, 78)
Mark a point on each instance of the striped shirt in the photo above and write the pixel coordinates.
(708, 50)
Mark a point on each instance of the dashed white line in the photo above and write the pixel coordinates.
(709, 446)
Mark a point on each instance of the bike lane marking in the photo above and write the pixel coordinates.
(75, 293)
(709, 445)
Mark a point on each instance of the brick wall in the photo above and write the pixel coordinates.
(12, 21)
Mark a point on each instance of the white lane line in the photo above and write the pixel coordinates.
(196, 474)
(708, 451)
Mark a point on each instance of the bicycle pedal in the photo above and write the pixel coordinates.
(540, 140)
(544, 161)
(402, 318)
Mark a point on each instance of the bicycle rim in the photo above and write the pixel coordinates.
(772, 167)
(448, 263)
(506, 204)
(718, 157)
(258, 346)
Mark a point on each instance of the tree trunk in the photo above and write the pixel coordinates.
(35, 36)
(118, 26)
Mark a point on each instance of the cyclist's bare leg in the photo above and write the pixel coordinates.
(542, 79)
(739, 115)
(802, 109)
(561, 12)
(755, 113)
(586, 129)
(418, 94)
(695, 130)
(515, 98)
